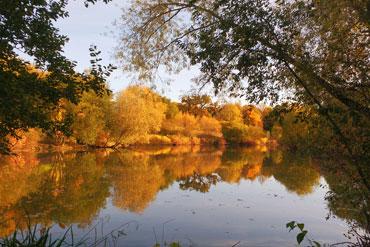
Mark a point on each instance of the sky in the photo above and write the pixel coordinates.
(95, 26)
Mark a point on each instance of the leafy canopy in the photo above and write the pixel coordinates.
(33, 92)
(315, 51)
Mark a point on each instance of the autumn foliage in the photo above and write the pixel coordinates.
(140, 116)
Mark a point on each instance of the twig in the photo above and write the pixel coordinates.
(236, 244)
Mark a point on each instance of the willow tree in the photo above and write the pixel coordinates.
(139, 112)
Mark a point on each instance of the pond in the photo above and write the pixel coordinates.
(191, 195)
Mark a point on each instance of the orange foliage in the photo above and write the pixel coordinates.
(182, 124)
(210, 126)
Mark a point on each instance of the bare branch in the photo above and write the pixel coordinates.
(184, 35)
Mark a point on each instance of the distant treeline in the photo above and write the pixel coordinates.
(140, 116)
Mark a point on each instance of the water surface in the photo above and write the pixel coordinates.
(198, 197)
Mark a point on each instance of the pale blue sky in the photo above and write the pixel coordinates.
(94, 25)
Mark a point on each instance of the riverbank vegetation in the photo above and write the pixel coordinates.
(140, 116)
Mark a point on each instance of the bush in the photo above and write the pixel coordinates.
(184, 140)
(238, 133)
(182, 124)
(180, 140)
(212, 140)
(210, 127)
(159, 140)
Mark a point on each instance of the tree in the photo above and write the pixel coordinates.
(139, 111)
(210, 126)
(260, 43)
(314, 52)
(172, 108)
(91, 119)
(230, 113)
(33, 92)
(195, 104)
(252, 116)
(182, 124)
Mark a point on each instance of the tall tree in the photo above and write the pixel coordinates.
(29, 94)
(196, 104)
(315, 50)
(230, 113)
(139, 112)
(92, 117)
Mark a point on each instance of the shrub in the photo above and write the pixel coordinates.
(233, 132)
(210, 127)
(180, 140)
(238, 133)
(159, 140)
(182, 124)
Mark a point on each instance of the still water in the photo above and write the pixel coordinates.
(198, 197)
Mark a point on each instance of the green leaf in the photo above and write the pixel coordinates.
(290, 224)
(301, 226)
(301, 236)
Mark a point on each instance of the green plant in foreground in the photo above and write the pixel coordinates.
(42, 237)
(302, 234)
(33, 237)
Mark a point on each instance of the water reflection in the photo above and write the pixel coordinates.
(62, 189)
(73, 188)
(298, 174)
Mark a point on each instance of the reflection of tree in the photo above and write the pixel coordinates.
(138, 176)
(135, 181)
(19, 176)
(239, 163)
(348, 197)
(71, 190)
(77, 193)
(230, 174)
(300, 179)
(197, 182)
(251, 171)
(296, 173)
(186, 164)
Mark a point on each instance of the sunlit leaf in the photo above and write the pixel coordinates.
(301, 236)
